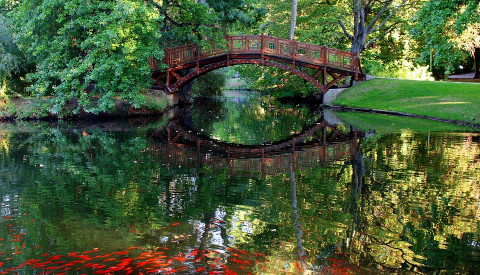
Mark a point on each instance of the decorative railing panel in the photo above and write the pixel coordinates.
(244, 43)
(181, 55)
(310, 53)
(265, 45)
(340, 59)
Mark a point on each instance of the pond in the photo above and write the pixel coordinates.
(240, 185)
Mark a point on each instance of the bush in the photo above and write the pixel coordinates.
(209, 84)
(404, 69)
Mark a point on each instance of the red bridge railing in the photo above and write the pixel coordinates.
(266, 46)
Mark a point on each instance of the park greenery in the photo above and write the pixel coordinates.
(94, 52)
(455, 101)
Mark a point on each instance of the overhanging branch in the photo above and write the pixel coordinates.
(348, 35)
(395, 9)
(379, 14)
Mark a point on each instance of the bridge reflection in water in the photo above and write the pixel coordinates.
(321, 143)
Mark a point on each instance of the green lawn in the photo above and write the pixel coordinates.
(386, 123)
(455, 101)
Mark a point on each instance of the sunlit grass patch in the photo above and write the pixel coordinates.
(455, 101)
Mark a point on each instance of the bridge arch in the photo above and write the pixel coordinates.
(214, 66)
(178, 132)
(310, 148)
(186, 63)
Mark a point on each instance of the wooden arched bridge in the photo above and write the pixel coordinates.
(320, 66)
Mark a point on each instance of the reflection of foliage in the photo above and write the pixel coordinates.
(407, 201)
(255, 121)
(421, 202)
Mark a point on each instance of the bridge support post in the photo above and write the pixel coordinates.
(293, 54)
(168, 77)
(198, 59)
(229, 47)
(324, 80)
(319, 97)
(262, 53)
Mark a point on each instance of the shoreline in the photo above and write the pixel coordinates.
(400, 114)
(31, 109)
(351, 100)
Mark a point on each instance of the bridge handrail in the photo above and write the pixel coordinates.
(266, 46)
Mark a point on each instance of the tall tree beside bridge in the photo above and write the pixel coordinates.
(371, 20)
(293, 20)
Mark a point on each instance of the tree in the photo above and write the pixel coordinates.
(293, 20)
(187, 21)
(448, 30)
(371, 21)
(10, 56)
(75, 43)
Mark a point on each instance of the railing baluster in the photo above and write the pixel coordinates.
(198, 60)
(293, 53)
(262, 58)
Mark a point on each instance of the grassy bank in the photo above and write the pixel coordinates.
(35, 109)
(388, 124)
(455, 101)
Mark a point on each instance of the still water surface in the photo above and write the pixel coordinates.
(242, 186)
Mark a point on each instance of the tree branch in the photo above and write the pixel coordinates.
(349, 36)
(379, 14)
(380, 35)
(154, 4)
(395, 9)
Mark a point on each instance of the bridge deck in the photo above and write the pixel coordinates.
(257, 49)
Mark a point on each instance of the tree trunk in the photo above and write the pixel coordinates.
(378, 13)
(293, 21)
(359, 31)
(477, 62)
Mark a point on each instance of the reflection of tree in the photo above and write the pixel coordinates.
(412, 214)
(402, 202)
(301, 253)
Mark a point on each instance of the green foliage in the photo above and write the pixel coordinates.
(10, 55)
(24, 109)
(156, 101)
(238, 15)
(10, 60)
(276, 82)
(401, 69)
(75, 43)
(210, 84)
(189, 21)
(437, 25)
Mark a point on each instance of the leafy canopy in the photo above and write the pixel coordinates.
(79, 42)
(439, 24)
